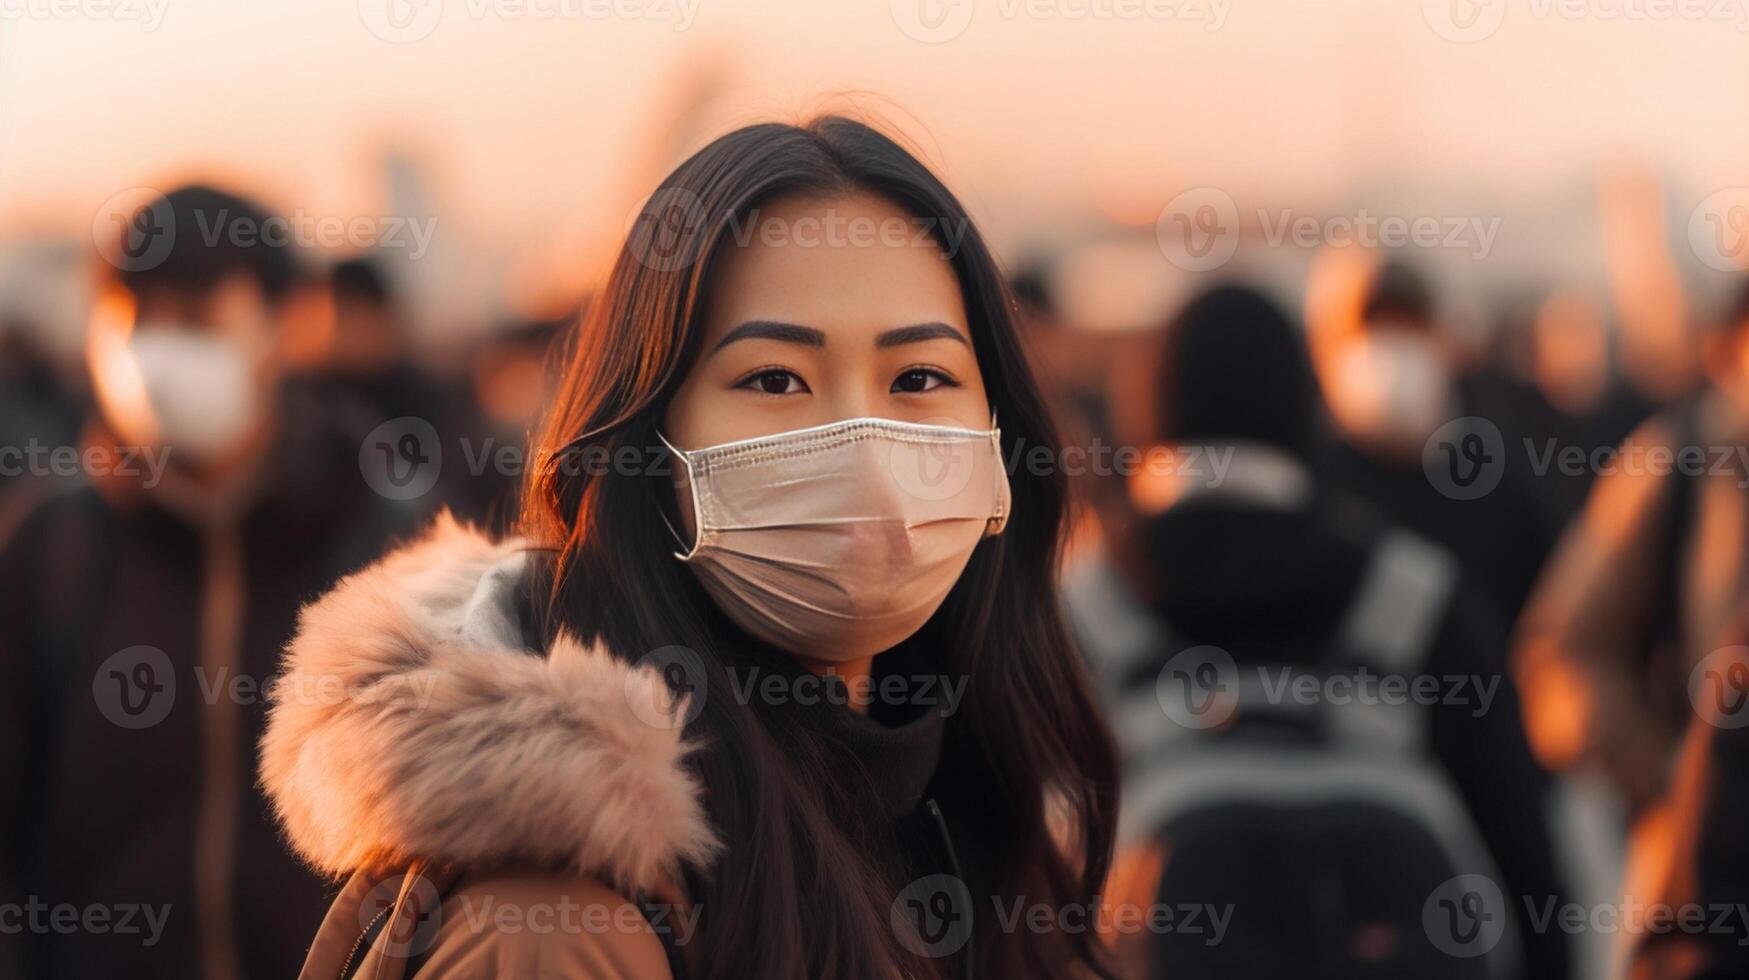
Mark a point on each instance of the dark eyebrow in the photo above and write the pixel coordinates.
(788, 333)
(920, 332)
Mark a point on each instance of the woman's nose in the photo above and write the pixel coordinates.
(851, 402)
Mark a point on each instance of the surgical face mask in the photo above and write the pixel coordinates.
(1391, 388)
(839, 541)
(201, 388)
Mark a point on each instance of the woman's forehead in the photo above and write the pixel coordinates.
(849, 266)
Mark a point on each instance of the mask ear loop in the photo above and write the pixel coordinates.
(692, 491)
(998, 522)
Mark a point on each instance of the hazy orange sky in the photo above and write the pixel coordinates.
(536, 131)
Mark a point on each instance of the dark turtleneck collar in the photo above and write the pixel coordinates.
(888, 753)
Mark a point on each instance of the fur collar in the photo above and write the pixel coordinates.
(408, 724)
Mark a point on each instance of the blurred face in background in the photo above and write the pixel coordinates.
(1389, 385)
(1570, 352)
(367, 335)
(198, 372)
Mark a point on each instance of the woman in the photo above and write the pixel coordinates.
(773, 687)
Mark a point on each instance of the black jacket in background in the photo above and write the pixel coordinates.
(1272, 586)
(101, 814)
(1501, 538)
(1711, 867)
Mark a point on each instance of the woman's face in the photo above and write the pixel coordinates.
(828, 309)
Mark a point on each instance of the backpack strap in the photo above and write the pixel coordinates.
(1391, 627)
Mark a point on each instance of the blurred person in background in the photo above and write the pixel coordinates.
(369, 376)
(513, 378)
(369, 357)
(1557, 389)
(144, 610)
(35, 409)
(1709, 866)
(1071, 362)
(1643, 583)
(1259, 559)
(1390, 384)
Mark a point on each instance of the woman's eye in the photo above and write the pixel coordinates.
(774, 381)
(920, 379)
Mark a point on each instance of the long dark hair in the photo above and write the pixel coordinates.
(794, 894)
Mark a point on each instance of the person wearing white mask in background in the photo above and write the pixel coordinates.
(1392, 386)
(145, 603)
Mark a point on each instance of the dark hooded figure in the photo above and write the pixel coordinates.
(1244, 552)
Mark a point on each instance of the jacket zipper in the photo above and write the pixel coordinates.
(358, 944)
(215, 859)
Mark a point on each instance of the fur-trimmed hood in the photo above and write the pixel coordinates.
(409, 724)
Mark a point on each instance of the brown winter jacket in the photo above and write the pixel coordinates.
(497, 809)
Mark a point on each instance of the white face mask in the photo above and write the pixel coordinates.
(201, 387)
(837, 542)
(1391, 388)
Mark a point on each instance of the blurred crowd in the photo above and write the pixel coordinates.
(246, 427)
(1548, 529)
